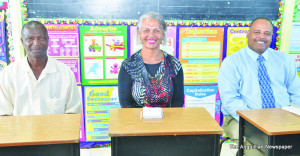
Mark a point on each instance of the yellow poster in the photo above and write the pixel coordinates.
(200, 52)
(236, 39)
(201, 71)
(98, 101)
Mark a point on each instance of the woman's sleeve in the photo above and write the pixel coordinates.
(124, 87)
(178, 95)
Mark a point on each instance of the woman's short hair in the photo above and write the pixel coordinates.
(160, 20)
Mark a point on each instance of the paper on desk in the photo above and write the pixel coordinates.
(152, 113)
(292, 109)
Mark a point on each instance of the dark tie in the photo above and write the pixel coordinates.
(267, 97)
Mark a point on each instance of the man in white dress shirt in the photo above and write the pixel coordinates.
(37, 84)
(240, 83)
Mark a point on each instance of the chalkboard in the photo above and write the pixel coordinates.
(169, 9)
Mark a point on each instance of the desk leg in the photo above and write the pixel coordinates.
(217, 151)
(114, 146)
(271, 142)
(241, 136)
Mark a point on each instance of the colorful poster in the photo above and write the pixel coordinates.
(103, 49)
(295, 38)
(64, 45)
(97, 102)
(294, 51)
(200, 52)
(169, 46)
(296, 59)
(201, 96)
(3, 51)
(236, 39)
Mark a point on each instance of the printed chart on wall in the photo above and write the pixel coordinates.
(169, 46)
(64, 46)
(201, 96)
(236, 39)
(3, 51)
(97, 102)
(200, 52)
(295, 45)
(103, 49)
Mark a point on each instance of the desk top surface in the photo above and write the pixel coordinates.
(274, 121)
(39, 129)
(176, 121)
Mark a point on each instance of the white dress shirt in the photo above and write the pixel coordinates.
(238, 80)
(55, 91)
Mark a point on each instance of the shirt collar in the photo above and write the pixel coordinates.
(25, 63)
(49, 68)
(253, 55)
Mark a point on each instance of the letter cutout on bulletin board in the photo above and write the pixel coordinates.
(200, 52)
(103, 49)
(97, 102)
(64, 45)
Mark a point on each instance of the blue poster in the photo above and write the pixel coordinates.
(201, 96)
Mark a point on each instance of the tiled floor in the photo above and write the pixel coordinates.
(226, 151)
